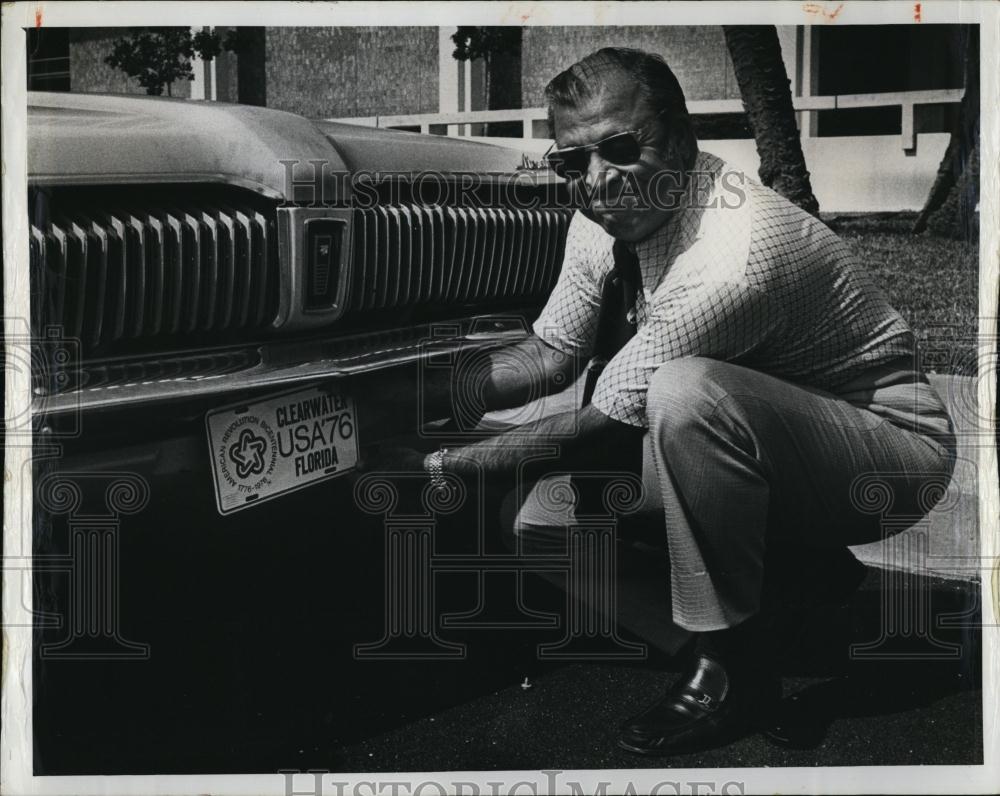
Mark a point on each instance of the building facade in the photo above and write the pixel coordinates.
(890, 86)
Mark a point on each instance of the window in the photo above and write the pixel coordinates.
(48, 59)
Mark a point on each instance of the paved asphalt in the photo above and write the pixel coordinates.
(252, 669)
(289, 710)
(840, 712)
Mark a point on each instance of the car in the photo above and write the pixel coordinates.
(230, 306)
(188, 256)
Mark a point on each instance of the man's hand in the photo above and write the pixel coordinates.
(583, 439)
(389, 458)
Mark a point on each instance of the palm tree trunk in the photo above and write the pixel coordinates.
(767, 98)
(962, 146)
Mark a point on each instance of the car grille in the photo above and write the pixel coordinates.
(117, 275)
(408, 255)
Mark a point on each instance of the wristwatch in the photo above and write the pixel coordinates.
(435, 467)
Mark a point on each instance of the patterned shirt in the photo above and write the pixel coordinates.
(740, 274)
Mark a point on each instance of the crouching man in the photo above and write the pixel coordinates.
(761, 375)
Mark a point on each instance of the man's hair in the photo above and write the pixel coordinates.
(657, 85)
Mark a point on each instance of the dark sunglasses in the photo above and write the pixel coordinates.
(620, 149)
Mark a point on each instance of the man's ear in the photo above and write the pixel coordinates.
(681, 152)
(689, 146)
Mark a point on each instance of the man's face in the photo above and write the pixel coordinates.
(617, 108)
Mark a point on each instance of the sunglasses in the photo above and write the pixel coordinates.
(620, 149)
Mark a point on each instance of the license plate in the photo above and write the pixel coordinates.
(280, 444)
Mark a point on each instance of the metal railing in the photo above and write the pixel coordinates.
(42, 71)
(457, 123)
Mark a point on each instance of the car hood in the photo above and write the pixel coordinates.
(395, 151)
(103, 138)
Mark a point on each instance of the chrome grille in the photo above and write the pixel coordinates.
(115, 275)
(408, 255)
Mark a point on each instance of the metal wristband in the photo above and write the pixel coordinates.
(435, 467)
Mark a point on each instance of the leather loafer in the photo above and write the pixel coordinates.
(707, 707)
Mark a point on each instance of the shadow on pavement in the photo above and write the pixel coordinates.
(253, 625)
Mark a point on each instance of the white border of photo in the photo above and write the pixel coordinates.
(16, 773)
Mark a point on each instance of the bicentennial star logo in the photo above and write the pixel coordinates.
(247, 453)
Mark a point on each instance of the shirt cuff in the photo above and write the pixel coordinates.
(625, 408)
(553, 337)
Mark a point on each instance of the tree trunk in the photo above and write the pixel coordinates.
(955, 192)
(767, 98)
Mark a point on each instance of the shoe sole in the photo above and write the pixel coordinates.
(690, 747)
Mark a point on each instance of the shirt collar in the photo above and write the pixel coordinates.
(654, 252)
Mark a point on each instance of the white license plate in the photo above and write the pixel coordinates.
(280, 444)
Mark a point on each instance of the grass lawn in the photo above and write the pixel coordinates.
(932, 281)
